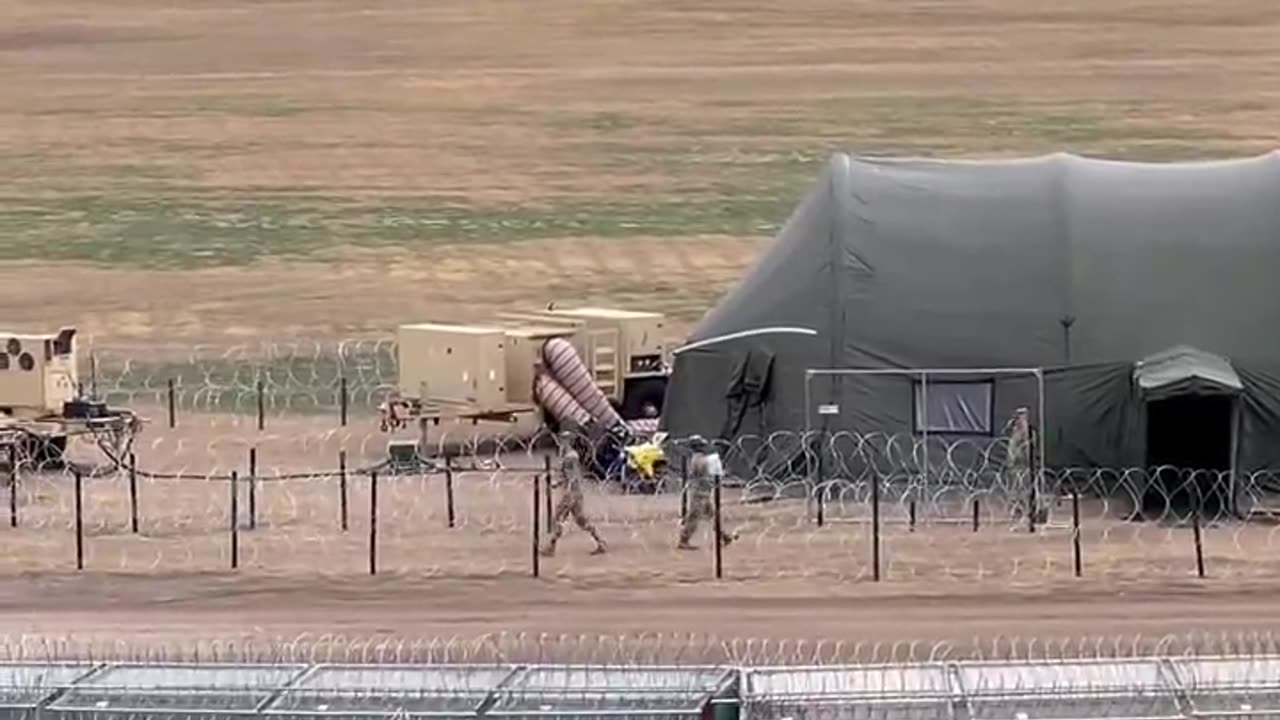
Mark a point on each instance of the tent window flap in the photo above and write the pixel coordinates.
(954, 407)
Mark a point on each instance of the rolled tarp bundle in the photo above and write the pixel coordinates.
(565, 367)
(555, 400)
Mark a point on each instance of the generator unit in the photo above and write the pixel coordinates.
(38, 373)
(42, 403)
(494, 371)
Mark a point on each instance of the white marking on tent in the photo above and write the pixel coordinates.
(746, 333)
(828, 409)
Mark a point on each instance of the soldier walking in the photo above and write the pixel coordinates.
(571, 499)
(705, 470)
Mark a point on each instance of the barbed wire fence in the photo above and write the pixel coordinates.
(330, 501)
(274, 461)
(295, 378)
(641, 649)
(639, 676)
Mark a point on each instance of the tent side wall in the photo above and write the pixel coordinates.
(1258, 437)
(788, 286)
(1059, 262)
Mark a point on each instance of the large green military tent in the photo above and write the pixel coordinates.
(1148, 293)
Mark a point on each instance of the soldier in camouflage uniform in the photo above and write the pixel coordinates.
(571, 500)
(1017, 466)
(704, 471)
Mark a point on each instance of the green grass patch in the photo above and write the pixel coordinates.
(186, 231)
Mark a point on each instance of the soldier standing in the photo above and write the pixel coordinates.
(705, 470)
(1017, 462)
(571, 499)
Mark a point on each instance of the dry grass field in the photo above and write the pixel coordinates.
(220, 171)
(232, 171)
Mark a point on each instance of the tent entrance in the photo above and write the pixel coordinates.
(1189, 450)
(1191, 401)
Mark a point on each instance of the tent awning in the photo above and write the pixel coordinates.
(1184, 370)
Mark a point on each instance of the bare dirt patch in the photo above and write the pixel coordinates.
(300, 572)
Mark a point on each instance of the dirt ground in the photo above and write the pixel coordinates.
(130, 615)
(300, 574)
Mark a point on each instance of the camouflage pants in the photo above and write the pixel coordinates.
(700, 507)
(571, 505)
(1018, 480)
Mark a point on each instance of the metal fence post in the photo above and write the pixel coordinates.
(235, 520)
(875, 527)
(262, 407)
(133, 493)
(977, 514)
(342, 489)
(373, 523)
(1077, 556)
(13, 487)
(537, 522)
(1195, 529)
(342, 400)
(822, 489)
(448, 489)
(173, 406)
(253, 488)
(79, 520)
(548, 502)
(719, 532)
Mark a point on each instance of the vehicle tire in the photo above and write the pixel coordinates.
(640, 393)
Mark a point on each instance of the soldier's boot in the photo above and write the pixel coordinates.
(549, 549)
(686, 534)
(601, 546)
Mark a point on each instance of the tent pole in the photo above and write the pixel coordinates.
(1067, 321)
(924, 425)
(1044, 426)
(1233, 502)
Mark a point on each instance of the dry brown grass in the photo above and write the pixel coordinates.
(119, 121)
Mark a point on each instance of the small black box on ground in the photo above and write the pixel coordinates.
(84, 409)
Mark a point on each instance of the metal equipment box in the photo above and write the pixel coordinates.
(454, 365)
(640, 345)
(37, 372)
(524, 356)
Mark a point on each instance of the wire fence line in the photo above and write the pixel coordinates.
(314, 499)
(293, 377)
(640, 649)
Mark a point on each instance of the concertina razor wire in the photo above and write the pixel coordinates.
(845, 507)
(637, 649)
(646, 676)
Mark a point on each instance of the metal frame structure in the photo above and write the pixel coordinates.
(1168, 688)
(923, 375)
(130, 691)
(1154, 688)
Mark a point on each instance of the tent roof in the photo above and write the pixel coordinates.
(1184, 369)
(1043, 261)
